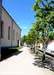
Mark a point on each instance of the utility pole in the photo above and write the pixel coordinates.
(0, 25)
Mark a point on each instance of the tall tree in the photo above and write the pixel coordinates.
(23, 39)
(32, 34)
(44, 10)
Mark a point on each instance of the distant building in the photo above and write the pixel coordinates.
(10, 31)
(50, 47)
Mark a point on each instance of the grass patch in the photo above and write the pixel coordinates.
(15, 48)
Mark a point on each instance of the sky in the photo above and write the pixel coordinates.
(21, 11)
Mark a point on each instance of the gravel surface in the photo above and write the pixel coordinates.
(22, 64)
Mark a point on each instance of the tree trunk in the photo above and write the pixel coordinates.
(44, 51)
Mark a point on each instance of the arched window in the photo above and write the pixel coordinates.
(13, 34)
(9, 33)
(2, 29)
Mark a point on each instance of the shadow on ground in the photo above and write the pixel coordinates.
(7, 53)
(48, 63)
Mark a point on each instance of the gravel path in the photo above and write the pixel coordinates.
(21, 64)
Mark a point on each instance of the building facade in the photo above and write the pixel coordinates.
(10, 31)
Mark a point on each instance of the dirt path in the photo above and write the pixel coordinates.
(21, 64)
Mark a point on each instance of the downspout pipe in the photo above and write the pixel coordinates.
(11, 33)
(0, 24)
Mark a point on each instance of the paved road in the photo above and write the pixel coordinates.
(21, 64)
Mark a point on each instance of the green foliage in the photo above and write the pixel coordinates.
(51, 36)
(23, 39)
(43, 27)
(32, 35)
(44, 14)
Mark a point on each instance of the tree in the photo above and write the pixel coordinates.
(23, 39)
(32, 37)
(44, 10)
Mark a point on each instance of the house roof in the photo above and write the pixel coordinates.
(11, 17)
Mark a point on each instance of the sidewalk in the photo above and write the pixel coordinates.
(21, 64)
